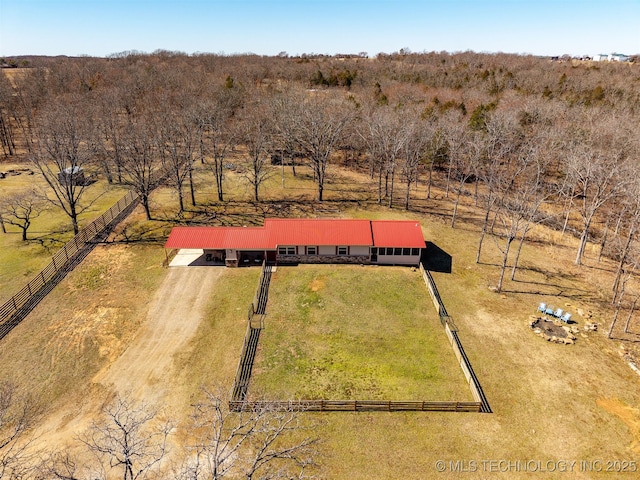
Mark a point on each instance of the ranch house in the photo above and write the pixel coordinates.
(378, 242)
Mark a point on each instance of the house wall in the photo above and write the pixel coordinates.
(231, 259)
(327, 250)
(359, 250)
(398, 259)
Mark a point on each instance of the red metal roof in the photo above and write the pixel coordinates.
(218, 238)
(319, 231)
(300, 231)
(397, 233)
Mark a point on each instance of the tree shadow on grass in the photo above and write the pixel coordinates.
(537, 288)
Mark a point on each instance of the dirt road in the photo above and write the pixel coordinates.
(144, 370)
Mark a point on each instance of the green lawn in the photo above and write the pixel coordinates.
(21, 261)
(354, 332)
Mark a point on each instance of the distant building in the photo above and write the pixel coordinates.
(618, 57)
(611, 57)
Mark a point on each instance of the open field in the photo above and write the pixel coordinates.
(550, 402)
(348, 332)
(20, 261)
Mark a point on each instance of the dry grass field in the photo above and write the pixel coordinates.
(551, 403)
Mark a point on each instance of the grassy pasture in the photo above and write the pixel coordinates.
(349, 332)
(550, 402)
(20, 261)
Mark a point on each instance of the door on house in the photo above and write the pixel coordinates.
(271, 256)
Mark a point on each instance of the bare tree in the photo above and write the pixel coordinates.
(519, 206)
(213, 116)
(316, 126)
(18, 415)
(596, 166)
(533, 195)
(62, 151)
(385, 132)
(437, 153)
(416, 151)
(216, 437)
(23, 97)
(283, 108)
(630, 206)
(465, 160)
(502, 144)
(7, 137)
(141, 167)
(109, 124)
(20, 209)
(257, 132)
(453, 133)
(632, 262)
(269, 455)
(131, 438)
(62, 466)
(259, 441)
(177, 143)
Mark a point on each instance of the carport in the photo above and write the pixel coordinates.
(230, 246)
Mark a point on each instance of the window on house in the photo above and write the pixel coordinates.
(406, 251)
(282, 250)
(374, 251)
(312, 251)
(415, 251)
(397, 251)
(342, 250)
(287, 250)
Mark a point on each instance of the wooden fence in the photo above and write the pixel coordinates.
(357, 406)
(61, 259)
(255, 322)
(243, 374)
(452, 334)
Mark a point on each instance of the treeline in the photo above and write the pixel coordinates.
(532, 141)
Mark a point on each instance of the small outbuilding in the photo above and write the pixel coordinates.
(72, 176)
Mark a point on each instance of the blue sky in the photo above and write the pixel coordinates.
(267, 27)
